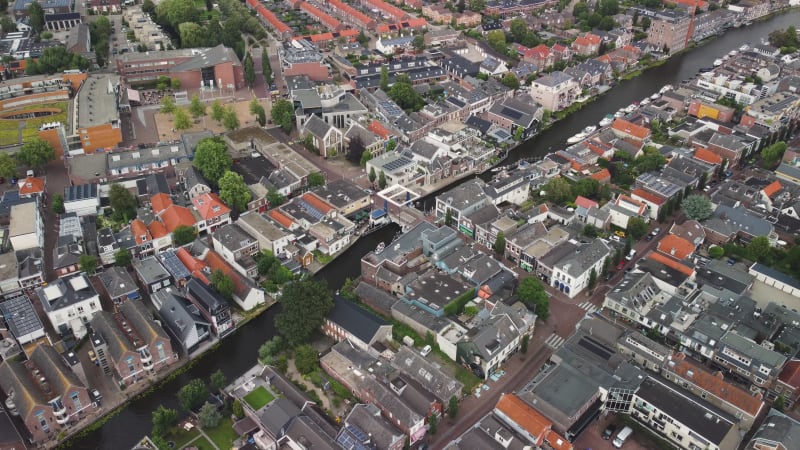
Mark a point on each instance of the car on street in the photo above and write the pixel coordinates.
(630, 255)
(620, 233)
(609, 276)
(609, 431)
(621, 265)
(655, 231)
(93, 358)
(96, 397)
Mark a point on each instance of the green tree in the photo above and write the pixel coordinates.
(305, 359)
(192, 35)
(452, 406)
(222, 283)
(249, 70)
(382, 180)
(168, 105)
(229, 119)
(497, 40)
(650, 160)
(405, 96)
(182, 120)
(448, 217)
(384, 78)
(183, 234)
(372, 175)
(418, 42)
(212, 159)
(7, 25)
(391, 145)
(266, 70)
(283, 115)
(193, 394)
(270, 349)
(217, 111)
(176, 12)
(163, 419)
(523, 345)
(759, 249)
(637, 227)
(58, 204)
(36, 153)
(8, 166)
(36, 16)
(716, 252)
(55, 59)
(197, 108)
(365, 157)
(209, 416)
(606, 264)
(123, 258)
(519, 29)
(122, 202)
(306, 303)
(500, 243)
(510, 81)
(773, 154)
(697, 207)
(237, 409)
(433, 424)
(477, 5)
(592, 279)
(275, 198)
(233, 191)
(780, 403)
(531, 292)
(217, 380)
(316, 179)
(558, 191)
(87, 263)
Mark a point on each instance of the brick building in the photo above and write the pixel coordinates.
(216, 67)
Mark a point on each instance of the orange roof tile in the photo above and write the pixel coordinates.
(630, 128)
(557, 442)
(209, 206)
(376, 127)
(281, 218)
(158, 230)
(160, 202)
(671, 263)
(317, 203)
(31, 185)
(602, 175)
(715, 384)
(175, 216)
(352, 12)
(140, 232)
(791, 373)
(523, 415)
(194, 265)
(708, 156)
(675, 246)
(648, 196)
(585, 202)
(325, 18)
(216, 262)
(592, 38)
(604, 58)
(770, 190)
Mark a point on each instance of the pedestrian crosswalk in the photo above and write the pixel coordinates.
(554, 341)
(588, 307)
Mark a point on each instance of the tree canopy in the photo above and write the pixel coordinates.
(531, 292)
(123, 257)
(697, 207)
(212, 159)
(163, 419)
(8, 165)
(193, 394)
(233, 191)
(773, 154)
(87, 263)
(183, 234)
(305, 303)
(36, 153)
(209, 416)
(55, 59)
(122, 202)
(283, 115)
(222, 283)
(637, 227)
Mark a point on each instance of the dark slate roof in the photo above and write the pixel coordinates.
(208, 298)
(478, 124)
(356, 320)
(157, 183)
(80, 192)
(277, 415)
(20, 315)
(179, 315)
(117, 282)
(778, 275)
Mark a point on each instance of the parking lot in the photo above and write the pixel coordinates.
(591, 438)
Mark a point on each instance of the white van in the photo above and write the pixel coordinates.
(622, 436)
(425, 350)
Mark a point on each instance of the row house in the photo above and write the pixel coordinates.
(212, 306)
(238, 248)
(213, 212)
(587, 44)
(70, 303)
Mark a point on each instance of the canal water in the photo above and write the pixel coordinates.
(238, 352)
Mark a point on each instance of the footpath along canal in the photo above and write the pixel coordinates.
(238, 352)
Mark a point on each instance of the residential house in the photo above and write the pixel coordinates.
(107, 246)
(634, 297)
(26, 229)
(213, 212)
(32, 187)
(747, 359)
(571, 275)
(46, 395)
(644, 351)
(194, 183)
(348, 198)
(151, 274)
(586, 45)
(623, 208)
(269, 236)
(144, 240)
(728, 224)
(119, 285)
(513, 113)
(182, 320)
(360, 328)
(489, 344)
(212, 306)
(69, 245)
(238, 248)
(82, 199)
(523, 419)
(777, 432)
(555, 91)
(129, 344)
(624, 129)
(246, 293)
(21, 319)
(365, 426)
(427, 374)
(70, 303)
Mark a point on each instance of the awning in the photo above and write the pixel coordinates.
(133, 95)
(133, 295)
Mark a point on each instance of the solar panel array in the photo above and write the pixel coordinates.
(352, 438)
(310, 209)
(397, 164)
(174, 265)
(513, 113)
(20, 315)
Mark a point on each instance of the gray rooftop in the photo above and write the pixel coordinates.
(426, 374)
(97, 100)
(365, 420)
(20, 316)
(150, 270)
(138, 157)
(232, 237)
(464, 195)
(752, 350)
(64, 292)
(262, 225)
(776, 428)
(117, 282)
(406, 243)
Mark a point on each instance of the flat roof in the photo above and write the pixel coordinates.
(97, 100)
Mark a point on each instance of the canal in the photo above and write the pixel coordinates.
(238, 352)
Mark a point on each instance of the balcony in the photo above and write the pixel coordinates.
(146, 358)
(60, 411)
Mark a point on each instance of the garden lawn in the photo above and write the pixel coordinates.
(223, 434)
(181, 437)
(258, 398)
(203, 444)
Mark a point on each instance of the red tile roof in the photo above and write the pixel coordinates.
(389, 10)
(376, 127)
(194, 265)
(352, 12)
(210, 206)
(157, 229)
(216, 262)
(630, 128)
(648, 196)
(675, 246)
(281, 218)
(585, 202)
(791, 373)
(671, 263)
(772, 188)
(602, 175)
(526, 417)
(269, 16)
(317, 203)
(708, 156)
(140, 232)
(325, 18)
(31, 185)
(715, 384)
(175, 216)
(160, 202)
(557, 442)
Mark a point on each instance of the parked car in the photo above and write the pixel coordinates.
(621, 265)
(13, 180)
(630, 255)
(620, 233)
(655, 231)
(609, 431)
(93, 358)
(425, 350)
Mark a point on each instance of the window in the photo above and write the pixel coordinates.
(160, 349)
(129, 360)
(42, 421)
(76, 400)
